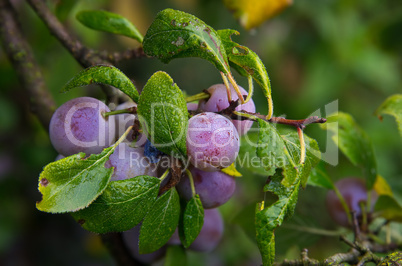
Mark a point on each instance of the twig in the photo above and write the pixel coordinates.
(82, 54)
(85, 56)
(28, 71)
(349, 257)
(116, 57)
(305, 260)
(356, 228)
(302, 123)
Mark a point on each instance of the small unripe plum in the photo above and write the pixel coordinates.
(212, 141)
(354, 192)
(129, 162)
(219, 101)
(214, 188)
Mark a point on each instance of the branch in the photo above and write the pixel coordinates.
(28, 71)
(244, 115)
(116, 57)
(361, 252)
(85, 56)
(305, 260)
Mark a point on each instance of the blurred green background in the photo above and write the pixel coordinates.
(316, 52)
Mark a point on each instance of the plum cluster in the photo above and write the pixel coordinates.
(80, 126)
(212, 140)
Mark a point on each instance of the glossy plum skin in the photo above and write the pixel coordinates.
(214, 188)
(353, 191)
(210, 234)
(78, 126)
(123, 121)
(192, 106)
(219, 101)
(212, 141)
(129, 162)
(131, 238)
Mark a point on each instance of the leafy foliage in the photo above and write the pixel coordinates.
(269, 218)
(248, 153)
(281, 153)
(245, 61)
(174, 34)
(319, 178)
(354, 143)
(278, 151)
(160, 223)
(62, 182)
(163, 114)
(121, 206)
(191, 221)
(109, 22)
(392, 106)
(108, 75)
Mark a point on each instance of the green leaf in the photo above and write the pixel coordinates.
(192, 220)
(319, 178)
(121, 206)
(109, 22)
(100, 74)
(389, 208)
(163, 114)
(271, 147)
(267, 219)
(245, 61)
(175, 255)
(174, 34)
(354, 143)
(313, 155)
(247, 161)
(392, 106)
(283, 154)
(74, 182)
(276, 151)
(160, 223)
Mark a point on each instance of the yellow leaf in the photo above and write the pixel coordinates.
(382, 187)
(252, 13)
(231, 170)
